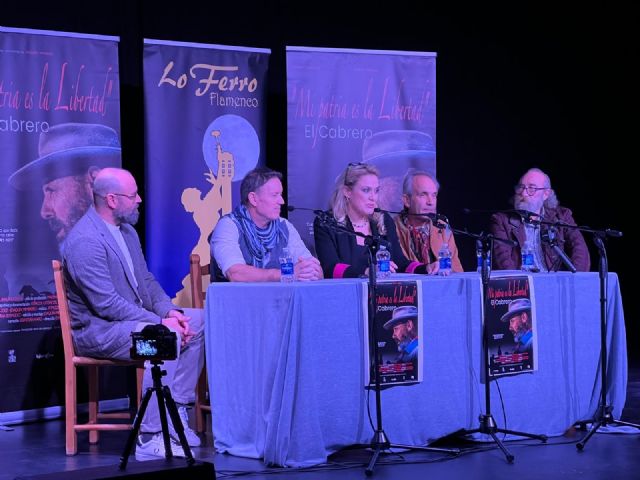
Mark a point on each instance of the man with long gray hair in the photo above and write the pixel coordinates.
(534, 194)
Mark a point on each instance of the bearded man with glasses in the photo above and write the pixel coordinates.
(112, 293)
(534, 194)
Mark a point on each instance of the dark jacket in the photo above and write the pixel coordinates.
(340, 256)
(571, 241)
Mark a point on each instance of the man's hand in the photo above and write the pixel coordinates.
(307, 269)
(179, 322)
(433, 268)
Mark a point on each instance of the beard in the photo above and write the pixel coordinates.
(532, 205)
(402, 344)
(62, 227)
(131, 217)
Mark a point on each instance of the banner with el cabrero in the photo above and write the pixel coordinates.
(205, 108)
(346, 106)
(59, 124)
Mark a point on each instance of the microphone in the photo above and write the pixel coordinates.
(434, 217)
(525, 215)
(291, 208)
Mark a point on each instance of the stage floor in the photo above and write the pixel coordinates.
(39, 448)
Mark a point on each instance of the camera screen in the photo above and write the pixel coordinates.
(146, 348)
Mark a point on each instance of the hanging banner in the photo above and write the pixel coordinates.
(59, 124)
(205, 108)
(511, 326)
(346, 106)
(397, 326)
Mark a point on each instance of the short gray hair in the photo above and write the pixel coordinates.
(407, 183)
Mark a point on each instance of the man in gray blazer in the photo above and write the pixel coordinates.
(112, 293)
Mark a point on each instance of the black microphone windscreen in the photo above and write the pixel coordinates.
(290, 208)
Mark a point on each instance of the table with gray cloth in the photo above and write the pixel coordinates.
(286, 376)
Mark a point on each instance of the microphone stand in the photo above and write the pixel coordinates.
(380, 442)
(549, 237)
(603, 415)
(488, 424)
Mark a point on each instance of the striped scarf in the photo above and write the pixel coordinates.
(260, 241)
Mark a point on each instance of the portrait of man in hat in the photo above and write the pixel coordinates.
(404, 325)
(394, 152)
(69, 157)
(520, 325)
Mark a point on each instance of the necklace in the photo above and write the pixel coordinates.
(362, 224)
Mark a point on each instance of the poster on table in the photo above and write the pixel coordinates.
(511, 326)
(397, 326)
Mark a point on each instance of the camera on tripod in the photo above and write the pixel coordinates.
(154, 342)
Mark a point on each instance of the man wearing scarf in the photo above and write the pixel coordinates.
(246, 245)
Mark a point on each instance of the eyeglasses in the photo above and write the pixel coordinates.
(531, 189)
(349, 165)
(133, 196)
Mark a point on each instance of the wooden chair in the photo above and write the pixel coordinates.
(71, 363)
(199, 281)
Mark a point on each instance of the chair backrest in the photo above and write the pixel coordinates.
(200, 280)
(63, 308)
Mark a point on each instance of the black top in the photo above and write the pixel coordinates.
(340, 249)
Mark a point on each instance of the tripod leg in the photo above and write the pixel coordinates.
(596, 425)
(506, 452)
(542, 438)
(135, 429)
(627, 424)
(168, 453)
(374, 458)
(177, 424)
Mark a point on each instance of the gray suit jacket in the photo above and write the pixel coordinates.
(105, 304)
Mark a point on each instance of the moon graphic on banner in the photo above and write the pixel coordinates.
(237, 137)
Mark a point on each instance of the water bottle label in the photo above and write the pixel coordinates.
(286, 268)
(445, 263)
(480, 261)
(384, 266)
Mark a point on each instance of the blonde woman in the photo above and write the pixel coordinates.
(352, 205)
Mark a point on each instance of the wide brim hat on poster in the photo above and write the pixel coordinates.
(69, 149)
(394, 152)
(401, 315)
(515, 307)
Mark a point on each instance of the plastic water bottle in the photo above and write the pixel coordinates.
(286, 266)
(444, 260)
(479, 258)
(383, 260)
(527, 257)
